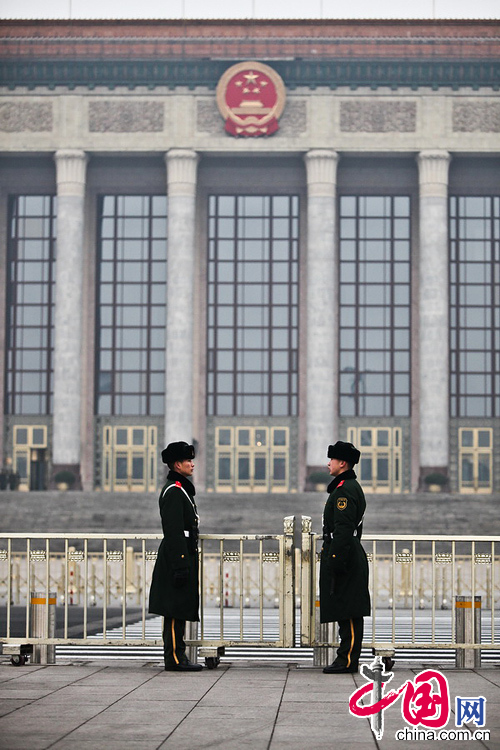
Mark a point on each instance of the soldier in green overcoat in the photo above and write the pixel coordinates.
(344, 595)
(174, 591)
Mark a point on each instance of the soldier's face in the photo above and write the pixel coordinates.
(185, 468)
(336, 467)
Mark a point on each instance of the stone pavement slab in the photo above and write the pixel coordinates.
(119, 706)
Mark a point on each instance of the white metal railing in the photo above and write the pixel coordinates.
(105, 580)
(407, 573)
(101, 583)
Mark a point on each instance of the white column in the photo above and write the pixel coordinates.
(433, 310)
(322, 305)
(181, 187)
(70, 174)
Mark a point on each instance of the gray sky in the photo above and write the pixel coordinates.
(249, 9)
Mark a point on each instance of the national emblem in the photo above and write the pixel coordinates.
(251, 97)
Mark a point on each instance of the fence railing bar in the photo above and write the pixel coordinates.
(202, 589)
(86, 587)
(492, 603)
(30, 586)
(124, 588)
(242, 592)
(221, 587)
(105, 582)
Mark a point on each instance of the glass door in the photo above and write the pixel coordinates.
(381, 457)
(130, 459)
(475, 460)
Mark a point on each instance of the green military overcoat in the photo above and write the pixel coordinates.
(178, 550)
(343, 577)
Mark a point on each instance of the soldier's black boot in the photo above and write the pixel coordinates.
(339, 668)
(184, 666)
(175, 647)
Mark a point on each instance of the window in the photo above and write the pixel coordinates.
(130, 367)
(374, 294)
(253, 296)
(475, 306)
(30, 304)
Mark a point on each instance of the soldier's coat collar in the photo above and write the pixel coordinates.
(174, 476)
(349, 474)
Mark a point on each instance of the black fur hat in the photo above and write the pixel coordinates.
(344, 452)
(180, 451)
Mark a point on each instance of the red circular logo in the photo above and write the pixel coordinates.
(251, 98)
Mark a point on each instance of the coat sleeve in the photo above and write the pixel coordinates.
(172, 519)
(345, 514)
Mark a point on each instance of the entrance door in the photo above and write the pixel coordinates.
(130, 459)
(38, 469)
(29, 460)
(252, 459)
(381, 454)
(476, 457)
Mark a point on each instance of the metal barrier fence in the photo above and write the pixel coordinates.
(104, 581)
(100, 584)
(441, 575)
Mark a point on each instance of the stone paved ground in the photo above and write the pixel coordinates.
(118, 706)
(102, 512)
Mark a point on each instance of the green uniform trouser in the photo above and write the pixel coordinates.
(351, 638)
(174, 648)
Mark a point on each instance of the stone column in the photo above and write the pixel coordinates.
(181, 187)
(68, 361)
(322, 307)
(433, 312)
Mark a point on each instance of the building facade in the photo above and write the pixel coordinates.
(259, 236)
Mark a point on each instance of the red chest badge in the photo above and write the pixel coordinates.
(251, 98)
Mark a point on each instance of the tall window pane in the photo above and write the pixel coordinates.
(30, 304)
(475, 306)
(374, 293)
(131, 291)
(253, 290)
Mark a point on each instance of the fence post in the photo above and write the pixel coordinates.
(289, 582)
(287, 594)
(467, 630)
(308, 593)
(39, 620)
(130, 587)
(312, 630)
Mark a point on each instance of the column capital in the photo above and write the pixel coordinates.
(181, 164)
(433, 172)
(71, 165)
(321, 167)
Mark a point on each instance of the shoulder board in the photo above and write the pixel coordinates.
(340, 484)
(178, 484)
